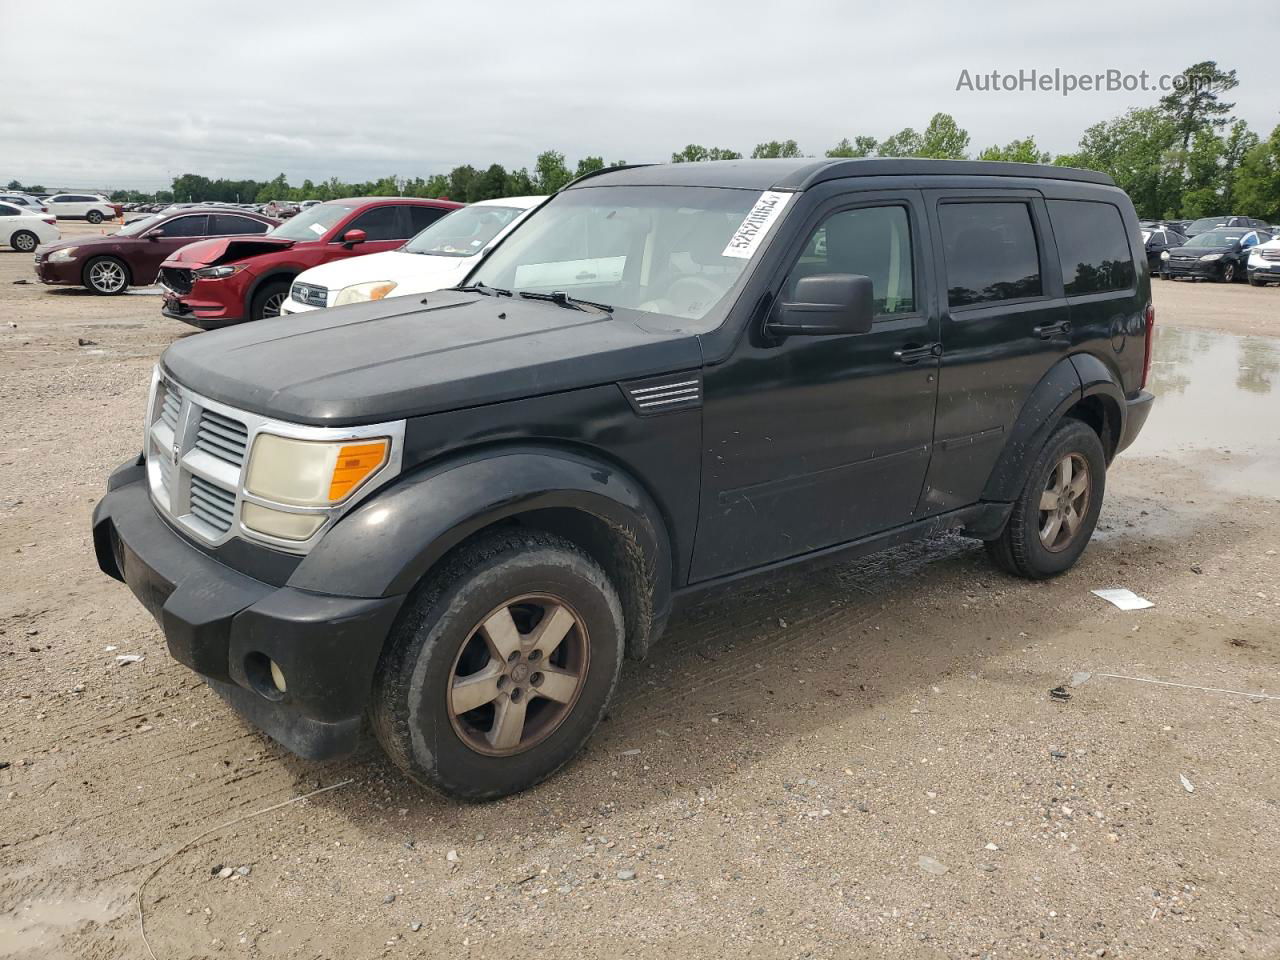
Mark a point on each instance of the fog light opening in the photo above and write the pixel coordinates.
(265, 676)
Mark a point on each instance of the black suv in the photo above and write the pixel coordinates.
(456, 514)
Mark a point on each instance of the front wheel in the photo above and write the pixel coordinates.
(94, 217)
(106, 275)
(24, 241)
(1054, 516)
(1228, 273)
(268, 301)
(500, 666)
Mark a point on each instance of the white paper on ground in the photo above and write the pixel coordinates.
(1124, 599)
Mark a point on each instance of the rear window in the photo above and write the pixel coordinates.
(227, 225)
(991, 252)
(1092, 245)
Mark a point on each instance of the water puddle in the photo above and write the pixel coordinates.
(1217, 394)
(36, 925)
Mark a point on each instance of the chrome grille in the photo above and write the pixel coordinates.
(170, 407)
(310, 294)
(222, 437)
(1269, 254)
(212, 504)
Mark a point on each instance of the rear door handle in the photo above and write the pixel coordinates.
(1050, 330)
(916, 354)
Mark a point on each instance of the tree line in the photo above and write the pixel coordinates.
(1186, 157)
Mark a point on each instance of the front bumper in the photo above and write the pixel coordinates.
(225, 625)
(191, 308)
(1265, 270)
(1206, 269)
(1137, 409)
(67, 272)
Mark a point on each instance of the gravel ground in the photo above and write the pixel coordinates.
(859, 760)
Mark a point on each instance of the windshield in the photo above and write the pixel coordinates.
(1217, 238)
(314, 223)
(660, 250)
(135, 227)
(462, 233)
(1203, 225)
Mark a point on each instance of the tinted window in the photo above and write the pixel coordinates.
(422, 217)
(59, 199)
(991, 252)
(81, 199)
(874, 242)
(8, 211)
(193, 226)
(380, 223)
(223, 224)
(1092, 245)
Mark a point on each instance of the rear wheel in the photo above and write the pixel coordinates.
(94, 217)
(24, 241)
(500, 667)
(106, 275)
(1054, 516)
(268, 300)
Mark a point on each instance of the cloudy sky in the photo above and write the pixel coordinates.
(131, 93)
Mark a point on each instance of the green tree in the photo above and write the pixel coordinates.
(589, 165)
(1016, 151)
(1239, 141)
(14, 185)
(695, 153)
(1139, 150)
(862, 146)
(550, 172)
(1256, 187)
(773, 149)
(1197, 107)
(944, 139)
(460, 182)
(489, 185)
(520, 184)
(905, 143)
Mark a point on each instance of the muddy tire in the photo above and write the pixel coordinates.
(500, 666)
(1055, 515)
(106, 275)
(24, 241)
(94, 217)
(268, 300)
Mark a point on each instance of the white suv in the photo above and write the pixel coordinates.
(438, 257)
(1264, 263)
(82, 206)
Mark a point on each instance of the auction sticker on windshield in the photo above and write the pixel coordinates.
(755, 226)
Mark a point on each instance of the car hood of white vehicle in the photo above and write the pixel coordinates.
(411, 272)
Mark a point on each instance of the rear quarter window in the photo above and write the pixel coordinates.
(1093, 246)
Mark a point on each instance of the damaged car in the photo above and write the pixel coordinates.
(233, 279)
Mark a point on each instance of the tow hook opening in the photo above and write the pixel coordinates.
(265, 676)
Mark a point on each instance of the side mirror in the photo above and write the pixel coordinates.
(824, 305)
(352, 237)
(155, 234)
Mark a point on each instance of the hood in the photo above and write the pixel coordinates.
(206, 253)
(391, 359)
(412, 272)
(92, 240)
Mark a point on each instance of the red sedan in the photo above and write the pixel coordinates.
(219, 282)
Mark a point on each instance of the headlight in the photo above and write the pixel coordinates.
(216, 273)
(1212, 256)
(64, 255)
(360, 292)
(306, 473)
(1165, 255)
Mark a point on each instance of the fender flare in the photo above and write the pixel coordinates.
(1099, 380)
(388, 543)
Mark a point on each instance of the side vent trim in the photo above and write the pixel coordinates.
(670, 393)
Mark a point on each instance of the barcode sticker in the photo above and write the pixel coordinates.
(755, 226)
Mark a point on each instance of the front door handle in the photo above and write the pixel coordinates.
(910, 354)
(1050, 330)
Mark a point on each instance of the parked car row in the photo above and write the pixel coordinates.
(1220, 254)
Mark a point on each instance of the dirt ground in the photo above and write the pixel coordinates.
(858, 761)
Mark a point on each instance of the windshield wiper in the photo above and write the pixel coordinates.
(484, 289)
(562, 299)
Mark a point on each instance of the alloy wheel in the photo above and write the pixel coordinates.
(1228, 273)
(25, 242)
(518, 675)
(107, 276)
(1064, 502)
(271, 306)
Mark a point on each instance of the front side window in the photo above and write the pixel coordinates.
(663, 250)
(873, 242)
(463, 233)
(1092, 245)
(193, 226)
(990, 251)
(380, 223)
